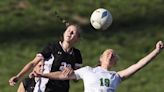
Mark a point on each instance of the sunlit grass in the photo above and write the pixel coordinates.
(137, 26)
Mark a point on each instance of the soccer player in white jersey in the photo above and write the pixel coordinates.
(99, 79)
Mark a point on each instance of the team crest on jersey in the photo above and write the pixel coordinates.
(59, 52)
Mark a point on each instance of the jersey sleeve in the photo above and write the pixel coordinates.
(80, 73)
(78, 57)
(26, 83)
(47, 50)
(117, 79)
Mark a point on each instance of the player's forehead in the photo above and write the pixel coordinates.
(108, 51)
(72, 27)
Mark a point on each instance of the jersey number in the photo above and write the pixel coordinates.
(104, 82)
(64, 64)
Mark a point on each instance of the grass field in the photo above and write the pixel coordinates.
(26, 26)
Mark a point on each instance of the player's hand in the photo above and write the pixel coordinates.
(13, 80)
(35, 74)
(37, 71)
(67, 71)
(31, 75)
(159, 45)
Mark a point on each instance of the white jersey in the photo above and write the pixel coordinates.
(98, 79)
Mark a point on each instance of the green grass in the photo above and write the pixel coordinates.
(137, 26)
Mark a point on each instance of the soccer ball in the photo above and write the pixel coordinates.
(101, 19)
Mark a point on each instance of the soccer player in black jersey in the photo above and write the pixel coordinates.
(28, 84)
(55, 56)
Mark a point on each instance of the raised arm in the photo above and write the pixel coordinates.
(27, 68)
(126, 73)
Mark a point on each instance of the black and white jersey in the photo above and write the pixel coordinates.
(29, 84)
(54, 52)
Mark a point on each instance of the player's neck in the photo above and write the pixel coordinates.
(105, 67)
(66, 46)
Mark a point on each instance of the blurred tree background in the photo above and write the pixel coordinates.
(27, 25)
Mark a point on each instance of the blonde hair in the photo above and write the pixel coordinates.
(114, 54)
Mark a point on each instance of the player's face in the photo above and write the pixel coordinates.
(109, 58)
(71, 34)
(39, 67)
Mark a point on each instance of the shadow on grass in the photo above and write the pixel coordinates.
(127, 25)
(131, 26)
(15, 36)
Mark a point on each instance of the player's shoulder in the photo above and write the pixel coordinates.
(54, 45)
(86, 68)
(76, 50)
(28, 81)
(115, 75)
(83, 70)
(112, 72)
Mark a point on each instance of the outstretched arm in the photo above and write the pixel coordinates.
(66, 74)
(27, 68)
(126, 73)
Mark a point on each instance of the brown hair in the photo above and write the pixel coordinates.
(76, 25)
